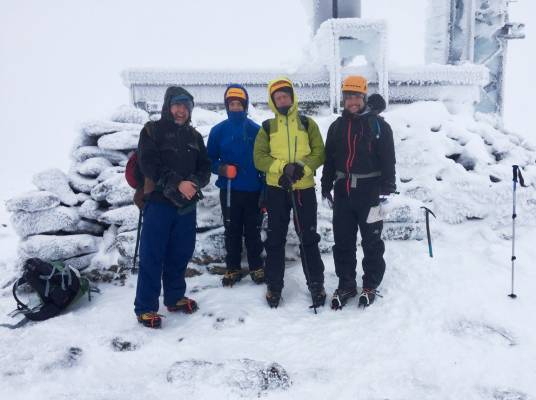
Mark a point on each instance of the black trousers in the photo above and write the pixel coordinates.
(350, 212)
(279, 206)
(245, 221)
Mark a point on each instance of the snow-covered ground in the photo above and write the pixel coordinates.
(445, 329)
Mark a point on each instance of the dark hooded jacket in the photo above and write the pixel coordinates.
(359, 144)
(169, 153)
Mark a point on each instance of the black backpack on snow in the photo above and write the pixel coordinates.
(57, 286)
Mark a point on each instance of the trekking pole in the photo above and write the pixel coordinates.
(138, 234)
(298, 225)
(228, 203)
(516, 174)
(300, 238)
(427, 213)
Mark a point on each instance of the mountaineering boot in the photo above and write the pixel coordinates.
(150, 319)
(231, 277)
(272, 298)
(341, 297)
(367, 297)
(318, 294)
(257, 276)
(185, 305)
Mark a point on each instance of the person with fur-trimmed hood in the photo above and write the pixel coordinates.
(230, 148)
(359, 166)
(173, 159)
(289, 148)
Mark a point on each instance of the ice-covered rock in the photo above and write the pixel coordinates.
(127, 215)
(85, 152)
(84, 226)
(81, 262)
(90, 209)
(59, 247)
(114, 190)
(82, 197)
(130, 115)
(111, 172)
(126, 243)
(123, 140)
(55, 181)
(99, 128)
(52, 220)
(81, 183)
(33, 201)
(93, 167)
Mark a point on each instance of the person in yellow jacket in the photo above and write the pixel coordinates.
(288, 149)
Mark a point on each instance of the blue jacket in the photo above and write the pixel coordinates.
(231, 142)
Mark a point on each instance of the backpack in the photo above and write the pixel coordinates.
(56, 285)
(304, 120)
(133, 174)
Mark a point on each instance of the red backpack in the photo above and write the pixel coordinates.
(133, 174)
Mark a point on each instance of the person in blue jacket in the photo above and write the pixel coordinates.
(230, 148)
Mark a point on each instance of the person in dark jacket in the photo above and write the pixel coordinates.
(175, 165)
(230, 148)
(359, 166)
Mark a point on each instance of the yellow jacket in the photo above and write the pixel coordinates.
(288, 142)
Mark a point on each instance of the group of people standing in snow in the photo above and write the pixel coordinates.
(269, 167)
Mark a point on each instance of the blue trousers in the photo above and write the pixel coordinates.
(167, 244)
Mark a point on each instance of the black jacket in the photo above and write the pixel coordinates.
(169, 153)
(360, 144)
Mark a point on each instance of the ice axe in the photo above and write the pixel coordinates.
(516, 175)
(427, 213)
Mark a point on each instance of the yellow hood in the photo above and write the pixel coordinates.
(282, 81)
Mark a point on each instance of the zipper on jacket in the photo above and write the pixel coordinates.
(348, 158)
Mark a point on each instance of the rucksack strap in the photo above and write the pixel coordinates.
(20, 305)
(303, 119)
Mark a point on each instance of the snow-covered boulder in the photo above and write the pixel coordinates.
(125, 243)
(90, 209)
(130, 115)
(81, 262)
(52, 220)
(84, 226)
(127, 216)
(55, 181)
(93, 167)
(114, 190)
(99, 128)
(111, 172)
(123, 140)
(33, 201)
(85, 152)
(81, 183)
(62, 247)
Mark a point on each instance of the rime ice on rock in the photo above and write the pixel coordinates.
(33, 201)
(55, 181)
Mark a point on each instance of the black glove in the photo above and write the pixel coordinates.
(285, 182)
(294, 171)
(326, 194)
(387, 188)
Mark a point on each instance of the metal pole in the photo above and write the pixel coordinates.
(514, 215)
